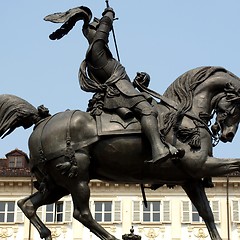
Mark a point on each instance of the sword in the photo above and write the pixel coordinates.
(114, 36)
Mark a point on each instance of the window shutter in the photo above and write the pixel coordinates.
(136, 211)
(19, 215)
(90, 205)
(68, 211)
(185, 212)
(117, 211)
(40, 213)
(235, 211)
(215, 210)
(166, 211)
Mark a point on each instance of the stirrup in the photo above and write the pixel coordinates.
(159, 158)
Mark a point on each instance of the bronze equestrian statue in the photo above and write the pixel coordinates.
(68, 149)
(80, 154)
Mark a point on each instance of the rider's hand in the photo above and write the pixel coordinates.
(108, 9)
(143, 78)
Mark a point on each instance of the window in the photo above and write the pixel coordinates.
(103, 211)
(7, 211)
(15, 162)
(195, 215)
(107, 211)
(156, 211)
(190, 213)
(54, 212)
(151, 213)
(58, 212)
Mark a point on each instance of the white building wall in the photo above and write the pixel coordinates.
(13, 189)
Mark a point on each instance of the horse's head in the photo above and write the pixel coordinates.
(227, 110)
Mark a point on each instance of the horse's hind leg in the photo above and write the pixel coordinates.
(29, 206)
(82, 212)
(197, 195)
(80, 192)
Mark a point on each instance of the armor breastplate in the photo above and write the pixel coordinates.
(101, 74)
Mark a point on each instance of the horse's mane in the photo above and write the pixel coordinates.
(13, 111)
(181, 91)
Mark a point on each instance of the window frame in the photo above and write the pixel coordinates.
(115, 212)
(187, 212)
(16, 161)
(150, 212)
(54, 213)
(6, 212)
(103, 210)
(164, 211)
(18, 216)
(65, 212)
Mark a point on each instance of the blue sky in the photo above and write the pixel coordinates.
(163, 38)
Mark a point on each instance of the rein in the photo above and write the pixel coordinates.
(171, 104)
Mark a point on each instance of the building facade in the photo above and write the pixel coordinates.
(117, 207)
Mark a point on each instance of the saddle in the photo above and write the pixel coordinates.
(113, 124)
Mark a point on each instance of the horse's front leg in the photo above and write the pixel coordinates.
(197, 195)
(216, 167)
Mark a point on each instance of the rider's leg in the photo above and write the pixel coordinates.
(149, 123)
(160, 152)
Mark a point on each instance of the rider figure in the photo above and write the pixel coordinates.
(104, 75)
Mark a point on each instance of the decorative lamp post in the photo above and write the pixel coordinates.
(131, 236)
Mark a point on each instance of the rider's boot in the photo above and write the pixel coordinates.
(160, 151)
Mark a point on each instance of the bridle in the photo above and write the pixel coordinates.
(222, 114)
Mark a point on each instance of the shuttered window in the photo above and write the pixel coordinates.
(107, 211)
(156, 211)
(58, 212)
(10, 212)
(190, 213)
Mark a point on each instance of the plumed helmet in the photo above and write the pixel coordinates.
(69, 18)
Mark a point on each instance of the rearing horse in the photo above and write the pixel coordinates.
(66, 151)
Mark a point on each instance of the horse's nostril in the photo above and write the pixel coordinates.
(230, 136)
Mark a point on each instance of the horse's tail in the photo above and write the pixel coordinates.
(16, 112)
